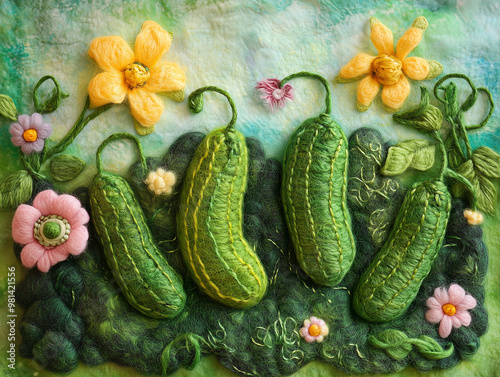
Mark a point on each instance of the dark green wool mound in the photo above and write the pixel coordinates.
(373, 197)
(393, 278)
(147, 280)
(86, 304)
(210, 220)
(314, 193)
(158, 209)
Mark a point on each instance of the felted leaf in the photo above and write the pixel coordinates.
(177, 96)
(7, 107)
(424, 117)
(16, 189)
(415, 153)
(484, 190)
(487, 162)
(141, 130)
(65, 168)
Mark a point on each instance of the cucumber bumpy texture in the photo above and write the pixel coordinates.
(392, 280)
(209, 222)
(147, 280)
(315, 203)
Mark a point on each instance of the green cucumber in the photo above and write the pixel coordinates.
(147, 281)
(210, 220)
(392, 280)
(314, 197)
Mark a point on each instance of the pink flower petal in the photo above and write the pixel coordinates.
(464, 317)
(445, 326)
(441, 296)
(36, 120)
(33, 146)
(77, 241)
(456, 294)
(44, 263)
(319, 338)
(66, 206)
(17, 130)
(23, 224)
(43, 202)
(81, 218)
(432, 303)
(309, 338)
(468, 302)
(314, 320)
(17, 140)
(455, 322)
(307, 323)
(24, 121)
(304, 332)
(44, 131)
(434, 315)
(55, 255)
(31, 254)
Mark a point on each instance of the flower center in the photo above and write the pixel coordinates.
(449, 309)
(136, 75)
(278, 93)
(387, 69)
(30, 135)
(314, 330)
(51, 231)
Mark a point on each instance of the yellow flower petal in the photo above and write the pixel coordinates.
(367, 90)
(381, 37)
(394, 96)
(107, 87)
(111, 53)
(416, 68)
(411, 38)
(166, 77)
(361, 64)
(151, 43)
(146, 107)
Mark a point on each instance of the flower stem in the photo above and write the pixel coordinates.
(195, 102)
(444, 165)
(328, 100)
(118, 136)
(79, 125)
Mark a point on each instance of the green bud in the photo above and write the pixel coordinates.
(7, 107)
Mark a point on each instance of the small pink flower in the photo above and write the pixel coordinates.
(50, 230)
(314, 329)
(273, 93)
(449, 308)
(30, 133)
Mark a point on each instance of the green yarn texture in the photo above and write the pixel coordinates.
(145, 277)
(315, 200)
(393, 279)
(215, 251)
(77, 311)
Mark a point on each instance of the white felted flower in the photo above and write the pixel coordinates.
(160, 181)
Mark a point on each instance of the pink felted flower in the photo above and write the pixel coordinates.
(30, 133)
(449, 308)
(50, 230)
(314, 329)
(273, 93)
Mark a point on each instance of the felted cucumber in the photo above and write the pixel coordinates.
(314, 196)
(147, 281)
(210, 217)
(393, 278)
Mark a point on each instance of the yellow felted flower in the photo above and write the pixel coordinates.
(389, 69)
(135, 76)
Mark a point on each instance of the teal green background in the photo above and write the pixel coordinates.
(233, 44)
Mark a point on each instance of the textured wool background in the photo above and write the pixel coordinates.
(233, 44)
